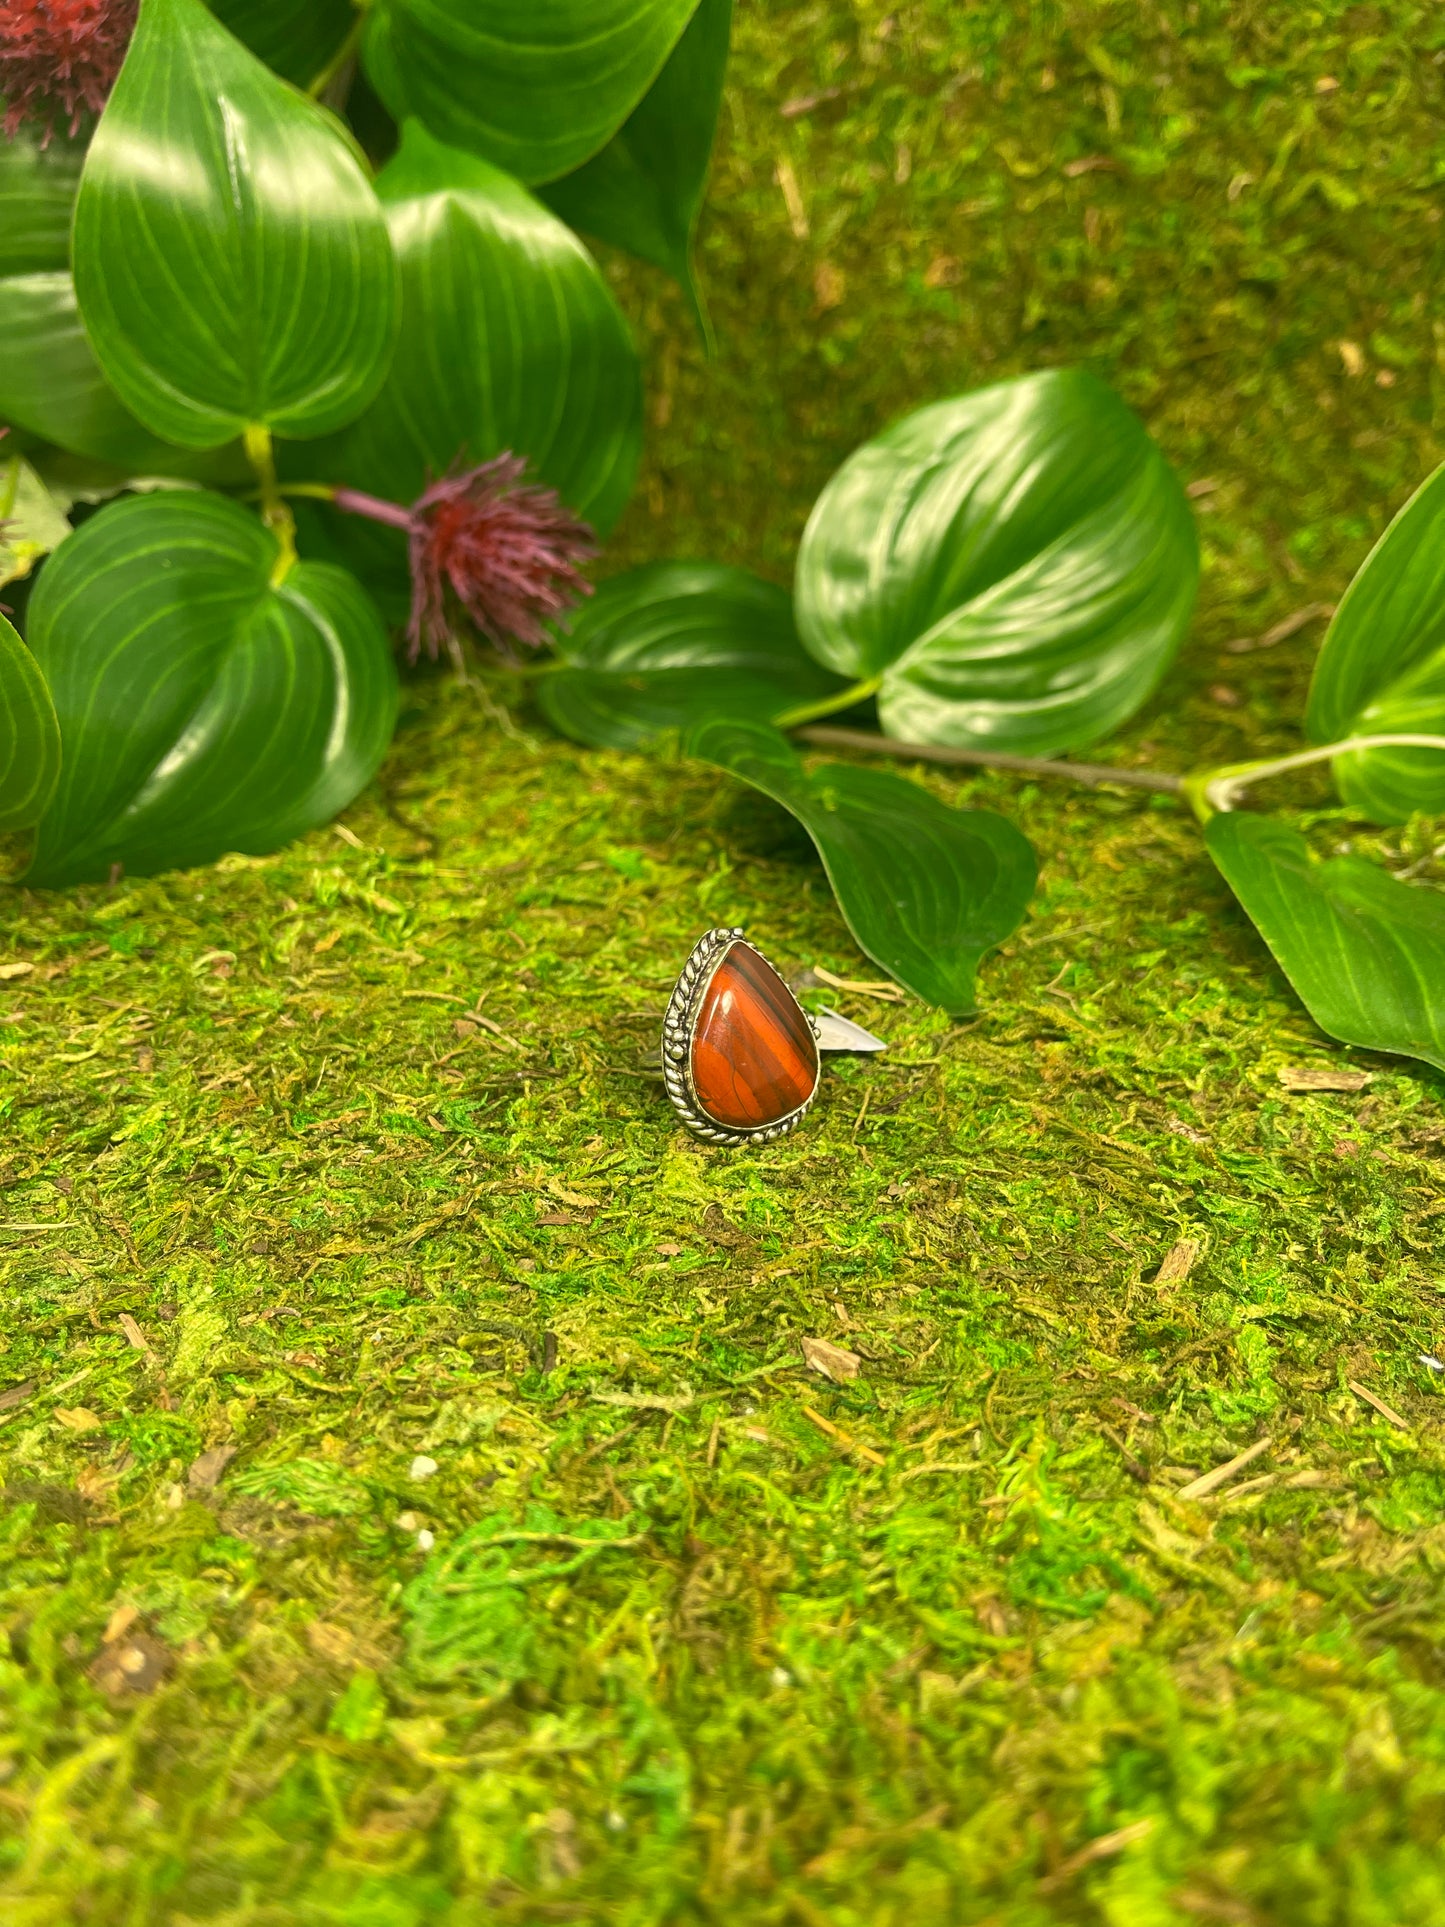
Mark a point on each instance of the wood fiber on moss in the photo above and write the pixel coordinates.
(325, 1168)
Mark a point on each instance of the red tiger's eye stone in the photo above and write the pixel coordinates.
(754, 1057)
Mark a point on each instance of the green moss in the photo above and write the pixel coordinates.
(251, 1124)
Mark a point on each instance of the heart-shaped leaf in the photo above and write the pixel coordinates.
(1365, 952)
(510, 339)
(51, 384)
(201, 708)
(50, 381)
(536, 89)
(295, 41)
(644, 191)
(676, 643)
(29, 735)
(925, 889)
(1015, 567)
(1381, 667)
(37, 195)
(231, 261)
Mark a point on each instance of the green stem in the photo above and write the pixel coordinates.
(344, 54)
(274, 512)
(309, 491)
(830, 705)
(1222, 790)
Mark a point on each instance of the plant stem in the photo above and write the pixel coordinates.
(374, 507)
(1091, 773)
(1222, 789)
(274, 512)
(345, 55)
(830, 705)
(309, 491)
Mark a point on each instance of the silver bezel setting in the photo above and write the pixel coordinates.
(678, 1026)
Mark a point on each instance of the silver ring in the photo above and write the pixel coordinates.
(735, 1041)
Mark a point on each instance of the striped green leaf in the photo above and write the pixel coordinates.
(644, 191)
(231, 261)
(1381, 667)
(37, 195)
(671, 644)
(926, 890)
(29, 735)
(51, 384)
(50, 381)
(1016, 567)
(201, 708)
(537, 88)
(1365, 952)
(509, 339)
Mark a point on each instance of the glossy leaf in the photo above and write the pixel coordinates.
(1381, 667)
(644, 191)
(51, 384)
(536, 88)
(295, 41)
(1365, 952)
(509, 339)
(37, 196)
(1018, 566)
(201, 710)
(29, 735)
(231, 261)
(675, 643)
(925, 889)
(32, 522)
(50, 380)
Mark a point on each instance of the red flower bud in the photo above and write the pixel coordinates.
(506, 551)
(59, 58)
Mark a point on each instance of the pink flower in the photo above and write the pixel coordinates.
(59, 58)
(506, 551)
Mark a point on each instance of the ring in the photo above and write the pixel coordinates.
(741, 1058)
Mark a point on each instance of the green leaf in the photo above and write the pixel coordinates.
(510, 339)
(51, 384)
(201, 709)
(295, 41)
(1365, 953)
(29, 735)
(644, 191)
(676, 643)
(230, 258)
(50, 380)
(538, 89)
(1017, 565)
(1381, 667)
(32, 522)
(37, 195)
(925, 889)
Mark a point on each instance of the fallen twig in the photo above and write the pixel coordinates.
(1091, 773)
(1208, 1482)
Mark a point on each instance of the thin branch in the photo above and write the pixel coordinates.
(1093, 774)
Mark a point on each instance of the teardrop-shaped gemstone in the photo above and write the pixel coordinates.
(754, 1058)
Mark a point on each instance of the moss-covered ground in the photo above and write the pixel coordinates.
(328, 1169)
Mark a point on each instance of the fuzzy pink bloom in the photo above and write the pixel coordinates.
(504, 550)
(59, 58)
